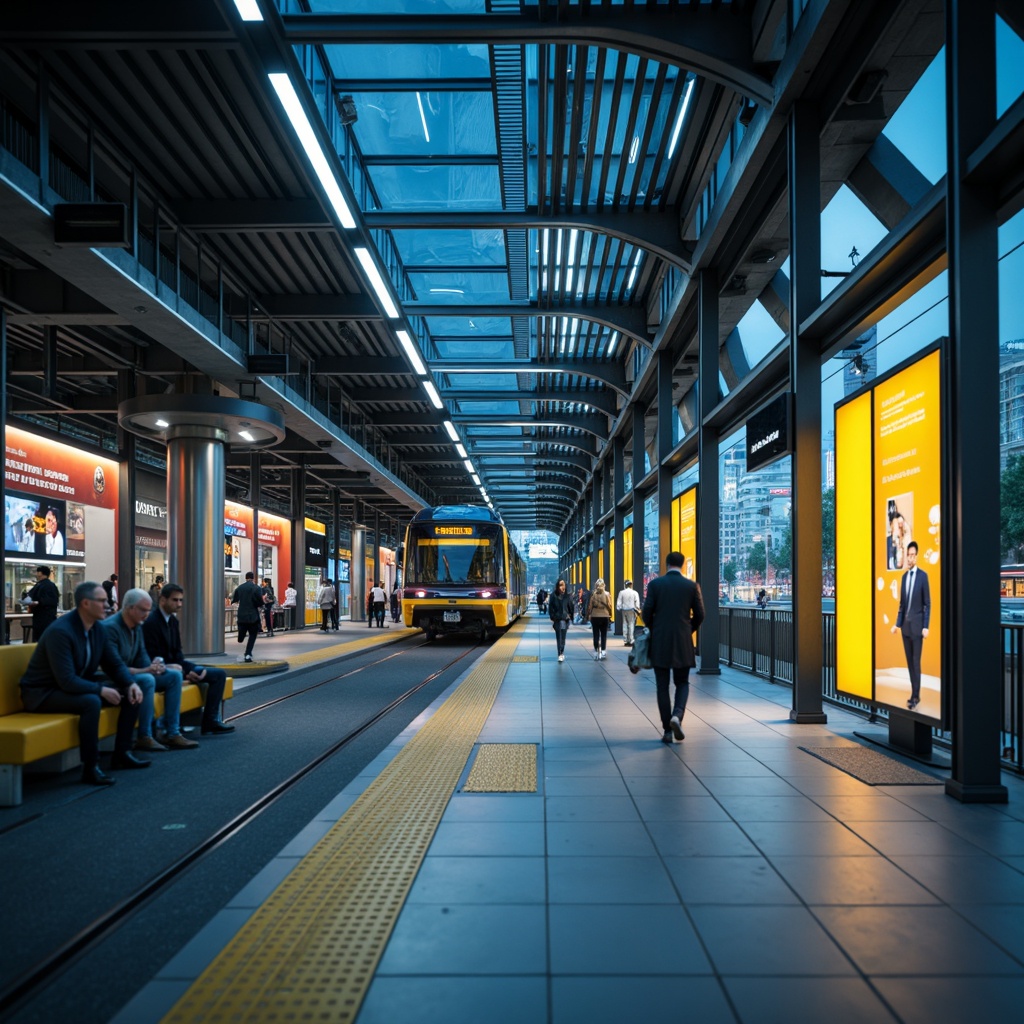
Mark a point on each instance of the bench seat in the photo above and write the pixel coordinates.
(26, 737)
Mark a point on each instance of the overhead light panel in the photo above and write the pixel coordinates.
(307, 138)
(462, 451)
(476, 479)
(432, 394)
(681, 116)
(423, 117)
(469, 466)
(244, 434)
(249, 10)
(452, 432)
(376, 281)
(411, 352)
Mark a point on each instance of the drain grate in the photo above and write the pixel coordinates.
(504, 768)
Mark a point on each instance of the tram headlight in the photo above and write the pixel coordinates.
(421, 593)
(485, 593)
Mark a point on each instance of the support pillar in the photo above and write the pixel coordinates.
(298, 481)
(971, 636)
(804, 145)
(639, 464)
(125, 551)
(620, 569)
(708, 546)
(666, 417)
(357, 571)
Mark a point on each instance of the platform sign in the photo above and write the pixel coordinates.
(888, 519)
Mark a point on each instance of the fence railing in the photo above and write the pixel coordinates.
(762, 642)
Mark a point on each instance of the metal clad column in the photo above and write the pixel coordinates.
(299, 541)
(971, 655)
(195, 533)
(125, 567)
(639, 464)
(708, 547)
(666, 414)
(357, 567)
(621, 570)
(805, 374)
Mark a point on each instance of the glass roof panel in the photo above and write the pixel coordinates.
(497, 350)
(759, 334)
(406, 61)
(450, 248)
(437, 188)
(496, 408)
(1009, 66)
(425, 123)
(470, 327)
(480, 381)
(447, 288)
(388, 6)
(918, 128)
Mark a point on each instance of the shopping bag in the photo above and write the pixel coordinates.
(639, 656)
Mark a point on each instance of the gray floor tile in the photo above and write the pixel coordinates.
(850, 881)
(264, 883)
(591, 808)
(576, 752)
(913, 940)
(773, 808)
(767, 941)
(701, 839)
(488, 839)
(926, 838)
(622, 999)
(953, 1000)
(747, 786)
(455, 1000)
(728, 769)
(555, 769)
(480, 880)
(966, 879)
(867, 808)
(494, 807)
(609, 880)
(1003, 925)
(621, 939)
(307, 839)
(814, 838)
(590, 785)
(680, 808)
(467, 939)
(729, 880)
(820, 785)
(806, 1001)
(598, 839)
(999, 836)
(664, 785)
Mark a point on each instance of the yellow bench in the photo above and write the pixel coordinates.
(26, 736)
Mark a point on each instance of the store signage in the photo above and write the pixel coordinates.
(769, 432)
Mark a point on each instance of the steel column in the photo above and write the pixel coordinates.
(637, 474)
(666, 417)
(708, 546)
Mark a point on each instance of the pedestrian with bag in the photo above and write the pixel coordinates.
(325, 598)
(599, 612)
(673, 609)
(628, 602)
(560, 610)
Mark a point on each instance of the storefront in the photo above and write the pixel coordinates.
(273, 550)
(150, 529)
(60, 510)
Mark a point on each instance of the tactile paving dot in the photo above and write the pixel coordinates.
(504, 768)
(310, 951)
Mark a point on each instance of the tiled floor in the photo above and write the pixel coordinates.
(728, 878)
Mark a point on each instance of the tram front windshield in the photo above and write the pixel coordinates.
(474, 557)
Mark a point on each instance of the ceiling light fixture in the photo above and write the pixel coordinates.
(249, 10)
(246, 435)
(162, 423)
(423, 118)
(461, 451)
(634, 148)
(410, 351)
(476, 479)
(432, 394)
(376, 281)
(452, 432)
(469, 466)
(681, 116)
(307, 137)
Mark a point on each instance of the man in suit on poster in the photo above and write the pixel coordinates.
(912, 619)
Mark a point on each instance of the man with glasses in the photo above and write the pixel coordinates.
(60, 677)
(124, 635)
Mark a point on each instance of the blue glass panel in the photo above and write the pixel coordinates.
(425, 123)
(407, 60)
(451, 248)
(437, 188)
(470, 327)
(481, 382)
(918, 128)
(759, 333)
(846, 224)
(497, 350)
(1009, 66)
(447, 288)
(1011, 273)
(496, 408)
(388, 7)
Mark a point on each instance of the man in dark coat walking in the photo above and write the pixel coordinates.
(673, 609)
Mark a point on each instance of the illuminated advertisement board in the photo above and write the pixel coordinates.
(684, 529)
(888, 541)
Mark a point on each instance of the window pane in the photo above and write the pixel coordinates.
(918, 128)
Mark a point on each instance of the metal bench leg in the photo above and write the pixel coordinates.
(10, 785)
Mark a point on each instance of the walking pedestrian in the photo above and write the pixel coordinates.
(599, 612)
(325, 598)
(673, 609)
(249, 599)
(560, 608)
(628, 602)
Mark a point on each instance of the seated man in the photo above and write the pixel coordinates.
(162, 636)
(59, 678)
(123, 632)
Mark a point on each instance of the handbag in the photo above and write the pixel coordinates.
(639, 653)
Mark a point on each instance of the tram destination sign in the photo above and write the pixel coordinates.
(770, 432)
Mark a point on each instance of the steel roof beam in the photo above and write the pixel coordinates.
(712, 41)
(313, 307)
(592, 423)
(601, 400)
(611, 374)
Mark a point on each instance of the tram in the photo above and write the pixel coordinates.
(461, 572)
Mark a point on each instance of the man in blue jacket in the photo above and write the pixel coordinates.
(673, 609)
(60, 678)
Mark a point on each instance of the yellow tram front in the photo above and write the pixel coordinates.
(456, 576)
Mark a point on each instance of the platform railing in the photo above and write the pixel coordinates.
(761, 642)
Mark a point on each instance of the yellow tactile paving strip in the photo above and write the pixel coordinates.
(504, 768)
(309, 953)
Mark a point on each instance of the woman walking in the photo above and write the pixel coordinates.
(599, 611)
(560, 607)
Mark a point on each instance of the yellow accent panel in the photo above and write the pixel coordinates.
(309, 953)
(854, 582)
(504, 768)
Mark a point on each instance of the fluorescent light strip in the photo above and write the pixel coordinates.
(452, 432)
(245, 434)
(476, 479)
(423, 118)
(469, 466)
(432, 394)
(307, 137)
(634, 149)
(462, 451)
(411, 352)
(376, 281)
(249, 10)
(682, 116)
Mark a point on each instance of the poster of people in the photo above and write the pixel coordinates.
(40, 527)
(888, 446)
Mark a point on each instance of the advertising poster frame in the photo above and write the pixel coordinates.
(889, 492)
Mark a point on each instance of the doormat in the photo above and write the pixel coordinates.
(872, 767)
(503, 768)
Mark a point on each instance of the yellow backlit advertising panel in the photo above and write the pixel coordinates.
(853, 541)
(685, 507)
